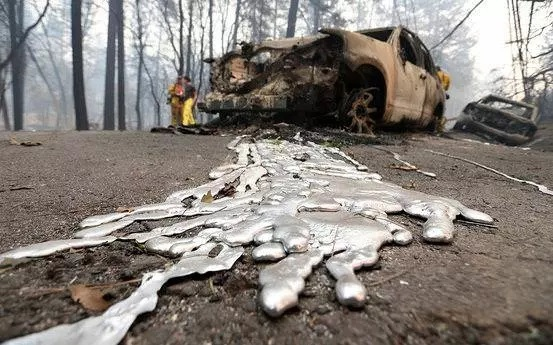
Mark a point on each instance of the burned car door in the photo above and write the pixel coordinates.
(433, 106)
(410, 85)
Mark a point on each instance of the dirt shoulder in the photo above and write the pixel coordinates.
(491, 286)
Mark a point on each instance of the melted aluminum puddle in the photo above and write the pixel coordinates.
(297, 203)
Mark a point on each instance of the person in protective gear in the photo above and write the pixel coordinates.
(445, 80)
(189, 103)
(175, 99)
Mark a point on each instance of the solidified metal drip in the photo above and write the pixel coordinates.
(113, 324)
(51, 247)
(103, 229)
(297, 203)
(282, 282)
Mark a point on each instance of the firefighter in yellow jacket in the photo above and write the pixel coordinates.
(444, 78)
(189, 103)
(175, 99)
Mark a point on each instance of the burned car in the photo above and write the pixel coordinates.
(371, 78)
(499, 118)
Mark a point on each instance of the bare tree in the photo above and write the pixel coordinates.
(16, 56)
(257, 13)
(121, 66)
(45, 79)
(236, 23)
(202, 27)
(48, 42)
(139, 46)
(210, 16)
(292, 17)
(316, 15)
(109, 90)
(15, 17)
(3, 105)
(155, 96)
(189, 36)
(81, 116)
(181, 38)
(11, 54)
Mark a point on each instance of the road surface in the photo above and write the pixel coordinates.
(492, 285)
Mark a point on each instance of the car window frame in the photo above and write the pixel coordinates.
(428, 62)
(404, 34)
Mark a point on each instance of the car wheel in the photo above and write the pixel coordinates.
(358, 109)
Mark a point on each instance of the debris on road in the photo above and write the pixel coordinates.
(499, 118)
(13, 141)
(295, 211)
(540, 187)
(197, 130)
(15, 188)
(406, 165)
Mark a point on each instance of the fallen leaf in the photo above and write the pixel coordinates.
(24, 143)
(207, 198)
(124, 209)
(90, 298)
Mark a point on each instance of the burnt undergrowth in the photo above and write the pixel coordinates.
(286, 126)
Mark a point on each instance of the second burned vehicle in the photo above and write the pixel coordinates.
(365, 79)
(499, 118)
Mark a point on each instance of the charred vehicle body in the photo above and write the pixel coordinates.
(366, 79)
(501, 119)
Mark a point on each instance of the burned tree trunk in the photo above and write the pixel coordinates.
(292, 17)
(109, 90)
(81, 116)
(275, 19)
(316, 15)
(45, 79)
(254, 22)
(154, 96)
(16, 54)
(120, 67)
(57, 74)
(210, 15)
(3, 105)
(15, 18)
(181, 39)
(202, 45)
(236, 23)
(140, 49)
(189, 37)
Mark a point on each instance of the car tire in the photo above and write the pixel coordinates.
(358, 109)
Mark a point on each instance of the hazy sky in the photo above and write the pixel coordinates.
(491, 28)
(490, 24)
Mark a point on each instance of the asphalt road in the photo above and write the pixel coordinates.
(491, 286)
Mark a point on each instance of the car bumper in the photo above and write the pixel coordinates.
(235, 103)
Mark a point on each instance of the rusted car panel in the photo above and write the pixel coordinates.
(413, 93)
(295, 77)
(501, 119)
(370, 78)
